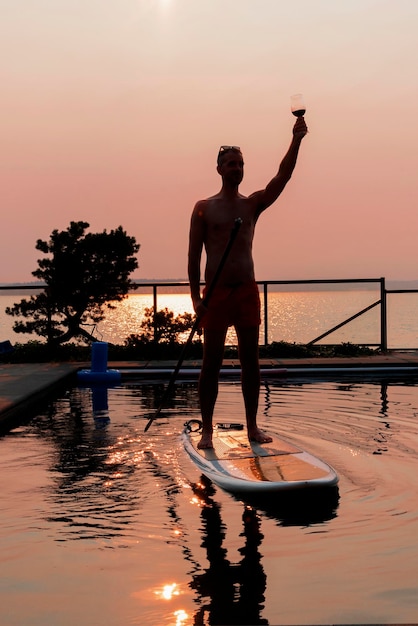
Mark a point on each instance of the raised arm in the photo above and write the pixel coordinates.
(275, 187)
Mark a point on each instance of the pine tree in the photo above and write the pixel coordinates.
(84, 274)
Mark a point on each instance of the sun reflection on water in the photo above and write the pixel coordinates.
(181, 617)
(170, 594)
(168, 591)
(196, 501)
(292, 316)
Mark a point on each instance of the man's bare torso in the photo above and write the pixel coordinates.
(219, 215)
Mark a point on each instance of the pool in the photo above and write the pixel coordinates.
(105, 524)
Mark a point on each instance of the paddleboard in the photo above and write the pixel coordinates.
(239, 466)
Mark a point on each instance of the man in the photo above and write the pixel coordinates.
(235, 300)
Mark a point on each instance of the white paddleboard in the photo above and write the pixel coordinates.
(240, 466)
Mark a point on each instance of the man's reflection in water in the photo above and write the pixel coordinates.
(236, 591)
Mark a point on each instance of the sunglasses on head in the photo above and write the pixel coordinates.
(223, 149)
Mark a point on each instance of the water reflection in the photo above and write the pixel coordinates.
(100, 406)
(182, 397)
(229, 593)
(94, 462)
(66, 477)
(92, 495)
(382, 436)
(303, 507)
(374, 405)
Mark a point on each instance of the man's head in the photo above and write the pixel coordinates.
(225, 151)
(230, 165)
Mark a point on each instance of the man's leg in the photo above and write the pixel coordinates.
(213, 351)
(250, 380)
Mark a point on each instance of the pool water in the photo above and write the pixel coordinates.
(105, 524)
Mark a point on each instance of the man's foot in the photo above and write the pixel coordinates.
(259, 436)
(206, 442)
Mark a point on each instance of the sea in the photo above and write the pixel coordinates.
(292, 316)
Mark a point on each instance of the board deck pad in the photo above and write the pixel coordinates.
(285, 468)
(235, 445)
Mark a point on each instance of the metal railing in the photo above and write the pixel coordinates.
(264, 285)
(382, 302)
(264, 288)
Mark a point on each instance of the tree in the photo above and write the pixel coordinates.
(86, 274)
(162, 327)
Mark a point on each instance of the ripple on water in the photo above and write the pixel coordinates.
(84, 470)
(367, 431)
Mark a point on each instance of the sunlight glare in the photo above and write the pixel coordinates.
(181, 617)
(196, 500)
(168, 591)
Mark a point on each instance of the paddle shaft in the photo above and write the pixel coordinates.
(205, 301)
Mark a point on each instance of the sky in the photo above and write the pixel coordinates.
(113, 113)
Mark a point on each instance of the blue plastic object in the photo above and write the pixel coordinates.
(99, 372)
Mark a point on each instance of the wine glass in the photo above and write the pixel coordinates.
(297, 105)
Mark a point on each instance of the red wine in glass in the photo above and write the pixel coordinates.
(298, 107)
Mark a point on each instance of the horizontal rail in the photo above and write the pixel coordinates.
(184, 283)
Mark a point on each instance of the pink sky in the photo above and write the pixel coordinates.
(113, 112)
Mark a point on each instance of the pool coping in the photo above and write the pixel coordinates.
(23, 385)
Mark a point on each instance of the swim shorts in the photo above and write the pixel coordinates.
(237, 306)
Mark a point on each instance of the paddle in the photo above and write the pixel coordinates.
(234, 232)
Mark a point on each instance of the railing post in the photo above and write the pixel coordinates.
(266, 313)
(383, 317)
(154, 296)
